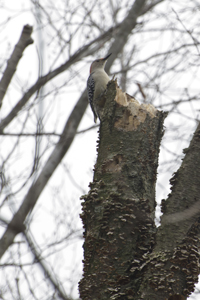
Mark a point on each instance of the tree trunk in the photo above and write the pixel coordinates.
(124, 253)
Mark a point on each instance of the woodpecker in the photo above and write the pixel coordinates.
(96, 85)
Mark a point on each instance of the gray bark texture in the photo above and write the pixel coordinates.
(125, 255)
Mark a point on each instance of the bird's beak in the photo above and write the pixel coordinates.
(105, 58)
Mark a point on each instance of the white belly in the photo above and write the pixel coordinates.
(101, 80)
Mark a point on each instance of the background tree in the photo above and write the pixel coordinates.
(43, 108)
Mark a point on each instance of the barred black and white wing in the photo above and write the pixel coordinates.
(90, 90)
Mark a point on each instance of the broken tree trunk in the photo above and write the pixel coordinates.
(121, 257)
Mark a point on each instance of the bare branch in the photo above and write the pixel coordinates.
(24, 40)
(125, 29)
(84, 51)
(44, 133)
(38, 259)
(150, 6)
(30, 134)
(54, 282)
(70, 128)
(196, 43)
(17, 223)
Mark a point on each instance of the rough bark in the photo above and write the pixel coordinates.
(118, 212)
(125, 256)
(178, 235)
(173, 266)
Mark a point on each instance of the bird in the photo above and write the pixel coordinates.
(96, 85)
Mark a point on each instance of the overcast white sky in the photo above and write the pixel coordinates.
(81, 156)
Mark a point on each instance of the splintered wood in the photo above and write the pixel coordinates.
(135, 113)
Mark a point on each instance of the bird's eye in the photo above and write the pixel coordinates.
(98, 60)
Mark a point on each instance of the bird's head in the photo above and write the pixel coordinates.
(99, 63)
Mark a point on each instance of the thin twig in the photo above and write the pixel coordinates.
(188, 31)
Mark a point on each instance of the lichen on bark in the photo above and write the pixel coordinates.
(118, 212)
(125, 255)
